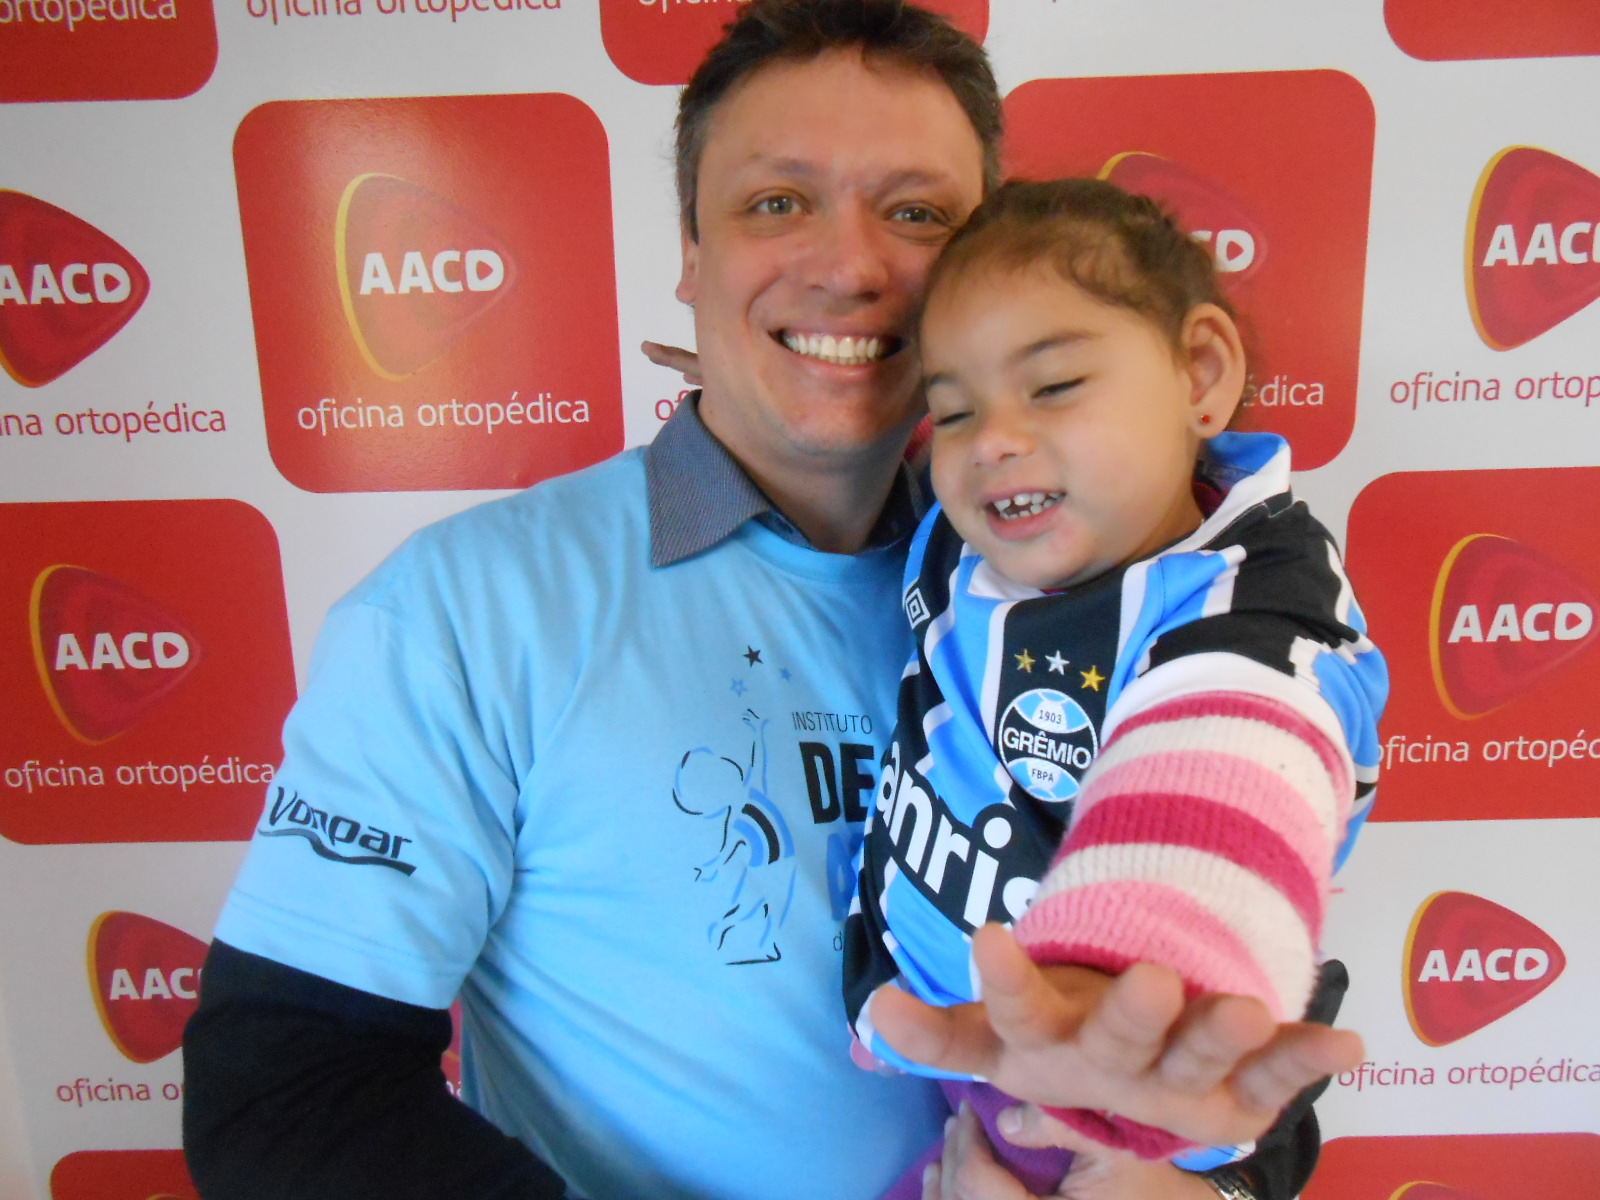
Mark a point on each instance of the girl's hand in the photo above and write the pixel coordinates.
(675, 358)
(1215, 1071)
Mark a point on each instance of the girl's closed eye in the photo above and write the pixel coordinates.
(1059, 388)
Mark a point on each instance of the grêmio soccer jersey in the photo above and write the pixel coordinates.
(1011, 691)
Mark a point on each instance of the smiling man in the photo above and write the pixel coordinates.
(628, 722)
(826, 186)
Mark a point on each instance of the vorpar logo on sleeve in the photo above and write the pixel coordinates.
(105, 49)
(146, 667)
(1500, 1166)
(1469, 962)
(122, 1175)
(1462, 29)
(1483, 588)
(663, 41)
(1533, 246)
(336, 837)
(66, 288)
(433, 289)
(145, 975)
(1272, 171)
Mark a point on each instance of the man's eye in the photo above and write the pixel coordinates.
(916, 214)
(775, 206)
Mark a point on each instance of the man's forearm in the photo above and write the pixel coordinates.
(299, 1087)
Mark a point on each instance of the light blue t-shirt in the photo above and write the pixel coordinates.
(615, 807)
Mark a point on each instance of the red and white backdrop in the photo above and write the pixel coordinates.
(283, 280)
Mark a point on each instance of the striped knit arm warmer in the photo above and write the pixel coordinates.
(1203, 839)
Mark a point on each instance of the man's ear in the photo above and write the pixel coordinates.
(1214, 353)
(689, 279)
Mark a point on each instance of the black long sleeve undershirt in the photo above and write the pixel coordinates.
(1287, 1153)
(299, 1088)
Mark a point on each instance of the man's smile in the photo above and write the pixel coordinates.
(845, 350)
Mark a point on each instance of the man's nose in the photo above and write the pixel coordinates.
(852, 255)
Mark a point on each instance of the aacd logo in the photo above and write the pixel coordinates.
(105, 49)
(1504, 616)
(106, 655)
(65, 289)
(146, 670)
(1213, 217)
(1272, 172)
(433, 289)
(1483, 588)
(1498, 1166)
(662, 41)
(1438, 30)
(1469, 962)
(395, 239)
(1533, 245)
(146, 981)
(122, 1175)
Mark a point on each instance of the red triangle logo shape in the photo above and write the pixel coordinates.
(1469, 962)
(65, 289)
(106, 655)
(415, 272)
(1211, 214)
(1533, 245)
(1504, 617)
(146, 980)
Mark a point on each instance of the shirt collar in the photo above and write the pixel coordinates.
(699, 494)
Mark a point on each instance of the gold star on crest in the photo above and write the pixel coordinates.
(1025, 661)
(1092, 678)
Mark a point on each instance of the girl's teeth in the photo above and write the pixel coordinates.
(1025, 504)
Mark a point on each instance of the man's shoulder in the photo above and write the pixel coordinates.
(588, 514)
(593, 500)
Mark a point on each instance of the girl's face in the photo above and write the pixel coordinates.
(1066, 429)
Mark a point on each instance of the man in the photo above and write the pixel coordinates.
(615, 736)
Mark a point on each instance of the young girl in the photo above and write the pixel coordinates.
(1109, 578)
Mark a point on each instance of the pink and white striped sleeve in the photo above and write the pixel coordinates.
(1203, 840)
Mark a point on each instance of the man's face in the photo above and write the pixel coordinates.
(826, 189)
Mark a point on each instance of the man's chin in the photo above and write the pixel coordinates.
(853, 435)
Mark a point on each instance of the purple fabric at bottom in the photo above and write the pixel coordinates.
(1037, 1170)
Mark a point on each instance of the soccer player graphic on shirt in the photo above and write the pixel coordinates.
(754, 857)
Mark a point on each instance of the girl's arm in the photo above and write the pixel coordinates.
(1203, 840)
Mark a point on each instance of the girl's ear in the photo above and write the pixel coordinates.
(1214, 354)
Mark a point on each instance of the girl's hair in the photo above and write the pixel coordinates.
(1121, 248)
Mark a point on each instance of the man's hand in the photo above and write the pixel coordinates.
(1216, 1070)
(675, 358)
(968, 1170)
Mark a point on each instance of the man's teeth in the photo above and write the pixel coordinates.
(851, 351)
(1026, 504)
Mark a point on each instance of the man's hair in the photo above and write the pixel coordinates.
(1121, 248)
(893, 31)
